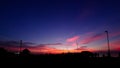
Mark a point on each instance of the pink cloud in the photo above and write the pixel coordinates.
(97, 37)
(73, 39)
(74, 44)
(115, 44)
(92, 38)
(115, 34)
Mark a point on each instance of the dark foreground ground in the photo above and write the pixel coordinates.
(59, 61)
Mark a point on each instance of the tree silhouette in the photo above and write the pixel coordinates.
(86, 54)
(3, 52)
(119, 54)
(25, 52)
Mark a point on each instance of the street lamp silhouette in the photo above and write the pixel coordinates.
(20, 46)
(109, 55)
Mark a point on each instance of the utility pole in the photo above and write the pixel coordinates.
(109, 55)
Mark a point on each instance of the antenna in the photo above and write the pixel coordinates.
(77, 44)
(109, 55)
(67, 49)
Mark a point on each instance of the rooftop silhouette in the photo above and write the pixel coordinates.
(84, 57)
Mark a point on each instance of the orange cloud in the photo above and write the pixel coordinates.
(73, 39)
(43, 49)
(84, 48)
(48, 50)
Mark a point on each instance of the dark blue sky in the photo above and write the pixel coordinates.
(54, 21)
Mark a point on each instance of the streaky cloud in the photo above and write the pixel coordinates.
(97, 37)
(92, 38)
(15, 44)
(73, 39)
(82, 48)
(49, 44)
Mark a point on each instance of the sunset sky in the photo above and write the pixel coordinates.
(58, 26)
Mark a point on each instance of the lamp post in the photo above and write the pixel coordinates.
(20, 46)
(109, 55)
